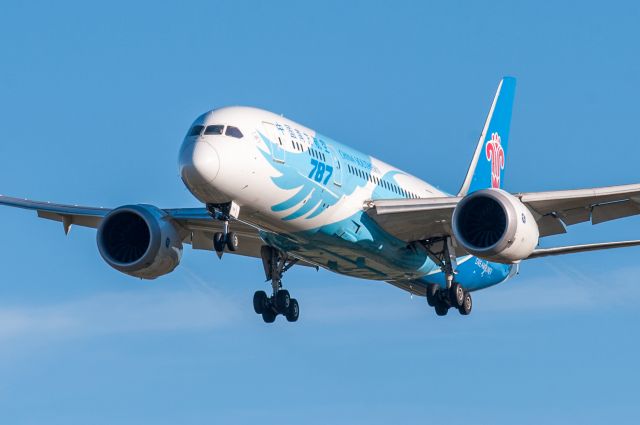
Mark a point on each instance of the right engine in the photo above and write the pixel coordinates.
(141, 241)
(494, 225)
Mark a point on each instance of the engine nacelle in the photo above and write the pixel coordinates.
(140, 240)
(496, 226)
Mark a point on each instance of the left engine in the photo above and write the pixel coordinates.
(141, 241)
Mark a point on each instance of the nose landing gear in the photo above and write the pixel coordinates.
(222, 240)
(276, 263)
(225, 239)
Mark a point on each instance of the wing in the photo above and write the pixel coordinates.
(203, 227)
(561, 250)
(558, 209)
(420, 219)
(414, 219)
(67, 214)
(200, 226)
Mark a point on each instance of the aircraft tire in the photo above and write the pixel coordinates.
(467, 305)
(432, 294)
(268, 316)
(232, 241)
(260, 301)
(293, 312)
(218, 242)
(456, 295)
(441, 308)
(283, 300)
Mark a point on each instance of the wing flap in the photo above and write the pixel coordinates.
(597, 205)
(413, 219)
(68, 215)
(550, 225)
(614, 211)
(69, 219)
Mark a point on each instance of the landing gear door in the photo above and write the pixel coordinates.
(337, 167)
(276, 138)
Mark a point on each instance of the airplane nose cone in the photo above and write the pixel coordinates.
(199, 164)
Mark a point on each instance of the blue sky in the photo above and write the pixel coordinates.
(94, 101)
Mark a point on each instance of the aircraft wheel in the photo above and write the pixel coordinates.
(232, 241)
(283, 300)
(268, 316)
(467, 305)
(441, 308)
(218, 242)
(293, 312)
(456, 295)
(432, 294)
(260, 301)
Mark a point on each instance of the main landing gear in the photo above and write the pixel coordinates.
(276, 263)
(225, 239)
(443, 299)
(453, 295)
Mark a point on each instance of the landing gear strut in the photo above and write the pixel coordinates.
(453, 295)
(276, 263)
(224, 212)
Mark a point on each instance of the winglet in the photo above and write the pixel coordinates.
(489, 160)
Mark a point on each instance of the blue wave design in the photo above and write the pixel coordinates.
(311, 197)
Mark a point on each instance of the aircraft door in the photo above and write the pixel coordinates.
(276, 138)
(337, 167)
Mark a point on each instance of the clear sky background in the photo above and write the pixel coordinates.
(95, 98)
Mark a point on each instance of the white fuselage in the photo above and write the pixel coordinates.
(307, 190)
(220, 168)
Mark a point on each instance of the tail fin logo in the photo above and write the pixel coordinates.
(495, 155)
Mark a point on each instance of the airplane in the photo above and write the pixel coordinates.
(279, 191)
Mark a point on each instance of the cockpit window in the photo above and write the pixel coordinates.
(213, 129)
(195, 130)
(233, 132)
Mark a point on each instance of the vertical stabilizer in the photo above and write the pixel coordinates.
(490, 158)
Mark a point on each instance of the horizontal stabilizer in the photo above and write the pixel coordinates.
(561, 250)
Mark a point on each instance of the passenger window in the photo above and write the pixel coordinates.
(213, 130)
(234, 132)
(195, 130)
